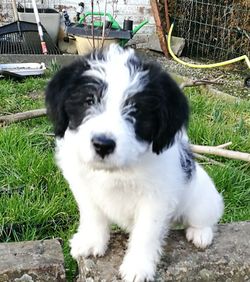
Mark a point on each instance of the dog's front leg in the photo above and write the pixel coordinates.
(145, 242)
(93, 232)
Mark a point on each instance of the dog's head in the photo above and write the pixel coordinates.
(116, 106)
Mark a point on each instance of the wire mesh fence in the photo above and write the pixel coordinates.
(213, 29)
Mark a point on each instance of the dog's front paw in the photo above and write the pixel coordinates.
(83, 244)
(137, 268)
(201, 237)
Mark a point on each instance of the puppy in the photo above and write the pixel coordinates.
(121, 143)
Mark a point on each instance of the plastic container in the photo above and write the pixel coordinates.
(23, 69)
(84, 45)
(127, 25)
(49, 18)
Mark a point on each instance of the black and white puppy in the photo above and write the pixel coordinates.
(121, 143)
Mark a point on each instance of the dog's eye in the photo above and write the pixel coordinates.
(90, 100)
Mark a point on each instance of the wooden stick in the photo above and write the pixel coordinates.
(167, 15)
(7, 119)
(220, 152)
(103, 24)
(222, 146)
(92, 23)
(204, 158)
(200, 82)
(159, 27)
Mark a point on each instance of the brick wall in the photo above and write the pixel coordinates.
(6, 14)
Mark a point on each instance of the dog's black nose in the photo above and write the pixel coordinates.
(103, 145)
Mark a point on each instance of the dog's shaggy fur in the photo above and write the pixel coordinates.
(121, 144)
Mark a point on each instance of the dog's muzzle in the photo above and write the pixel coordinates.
(103, 145)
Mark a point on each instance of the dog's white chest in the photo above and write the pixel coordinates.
(117, 198)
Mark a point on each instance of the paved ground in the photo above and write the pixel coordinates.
(227, 259)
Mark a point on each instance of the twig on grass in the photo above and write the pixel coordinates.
(204, 158)
(200, 82)
(236, 155)
(7, 119)
(223, 146)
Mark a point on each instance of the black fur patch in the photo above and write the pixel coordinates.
(69, 94)
(161, 109)
(187, 161)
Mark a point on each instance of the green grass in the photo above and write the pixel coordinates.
(215, 121)
(35, 202)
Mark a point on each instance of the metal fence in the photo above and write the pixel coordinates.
(214, 29)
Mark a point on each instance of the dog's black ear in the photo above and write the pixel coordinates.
(171, 112)
(59, 91)
(161, 109)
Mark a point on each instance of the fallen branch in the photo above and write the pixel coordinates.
(200, 82)
(7, 119)
(223, 146)
(199, 149)
(204, 158)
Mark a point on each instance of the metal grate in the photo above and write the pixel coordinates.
(214, 29)
(22, 38)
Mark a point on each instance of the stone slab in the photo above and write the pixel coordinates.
(227, 259)
(32, 261)
(177, 44)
